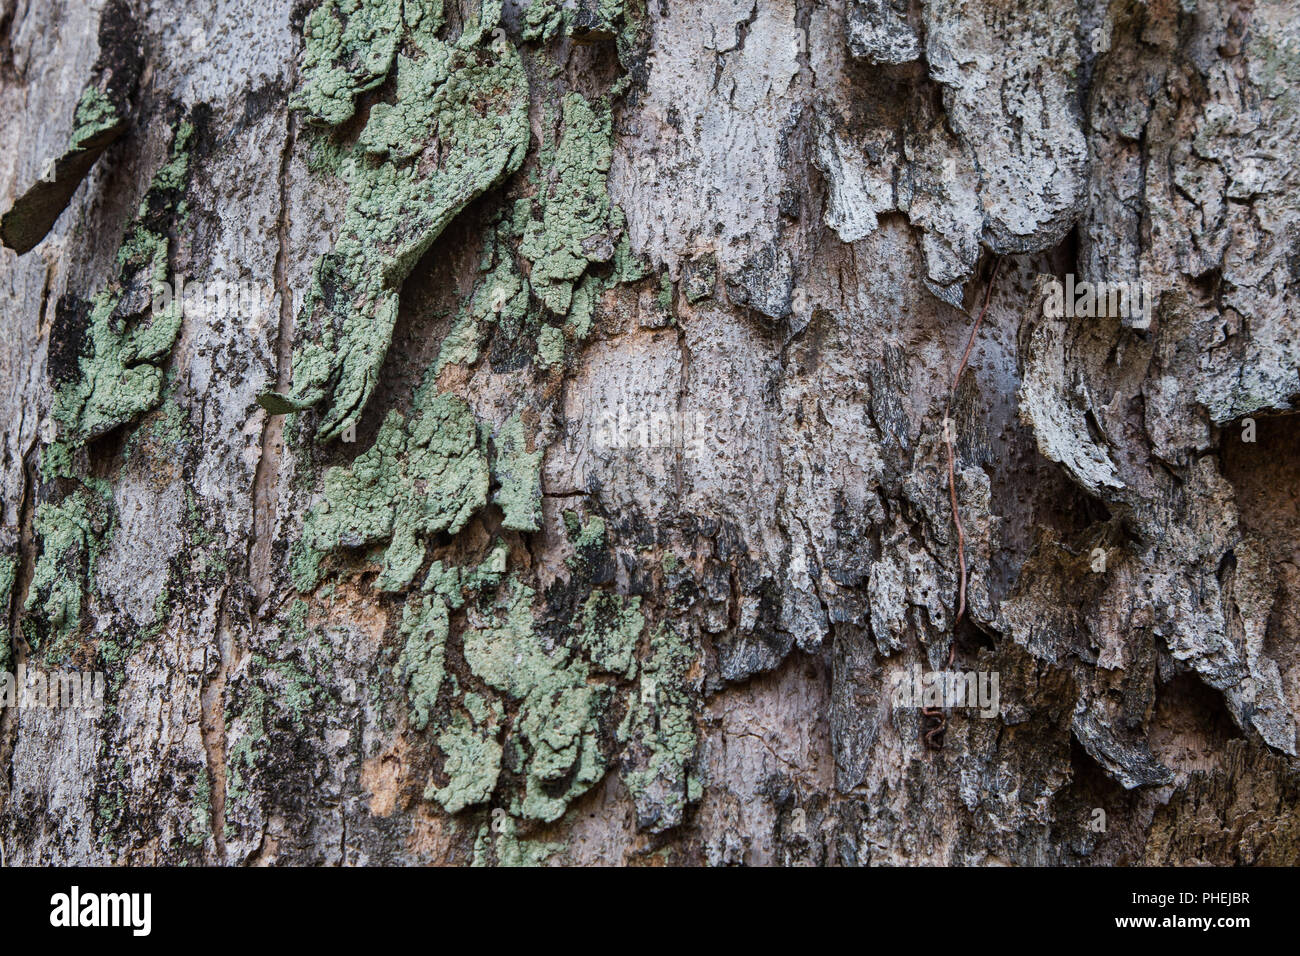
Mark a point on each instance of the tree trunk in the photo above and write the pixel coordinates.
(573, 433)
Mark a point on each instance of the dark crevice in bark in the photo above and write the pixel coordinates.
(18, 645)
(212, 704)
(266, 477)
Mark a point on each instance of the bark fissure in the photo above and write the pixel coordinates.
(267, 475)
(649, 319)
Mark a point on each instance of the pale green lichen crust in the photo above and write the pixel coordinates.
(8, 574)
(662, 736)
(472, 764)
(96, 116)
(546, 727)
(458, 125)
(518, 473)
(555, 741)
(72, 535)
(422, 476)
(538, 725)
(573, 228)
(498, 843)
(422, 666)
(526, 700)
(349, 48)
(609, 628)
(107, 362)
(111, 370)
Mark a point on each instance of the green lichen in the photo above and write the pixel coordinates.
(349, 48)
(609, 627)
(472, 765)
(169, 182)
(200, 811)
(129, 334)
(8, 574)
(119, 380)
(500, 839)
(444, 581)
(73, 533)
(95, 116)
(426, 476)
(552, 750)
(543, 20)
(458, 125)
(662, 735)
(550, 345)
(452, 583)
(241, 760)
(555, 740)
(422, 664)
(518, 473)
(484, 711)
(664, 300)
(589, 541)
(560, 729)
(504, 650)
(583, 535)
(573, 226)
(488, 573)
(296, 690)
(423, 19)
(172, 426)
(500, 297)
(582, 311)
(587, 21)
(57, 461)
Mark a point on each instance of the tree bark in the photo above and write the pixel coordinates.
(562, 434)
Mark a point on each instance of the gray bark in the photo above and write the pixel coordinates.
(647, 509)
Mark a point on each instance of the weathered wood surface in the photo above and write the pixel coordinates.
(643, 319)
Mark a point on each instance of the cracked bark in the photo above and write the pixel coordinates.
(821, 190)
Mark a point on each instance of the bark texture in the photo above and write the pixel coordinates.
(558, 471)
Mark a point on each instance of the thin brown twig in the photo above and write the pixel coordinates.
(952, 483)
(936, 713)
